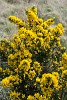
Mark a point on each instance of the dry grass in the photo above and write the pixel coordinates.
(53, 8)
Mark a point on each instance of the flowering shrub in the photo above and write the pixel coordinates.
(37, 62)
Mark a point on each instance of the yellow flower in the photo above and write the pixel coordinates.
(40, 21)
(50, 21)
(22, 30)
(30, 97)
(14, 95)
(45, 26)
(31, 74)
(40, 34)
(58, 30)
(31, 15)
(64, 75)
(1, 69)
(16, 20)
(61, 29)
(24, 65)
(61, 68)
(38, 80)
(34, 9)
(23, 96)
(37, 96)
(11, 56)
(27, 54)
(56, 74)
(39, 29)
(37, 67)
(63, 63)
(48, 83)
(5, 82)
(64, 56)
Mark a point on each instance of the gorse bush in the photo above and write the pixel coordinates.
(37, 62)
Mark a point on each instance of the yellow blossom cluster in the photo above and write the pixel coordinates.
(5, 82)
(36, 96)
(63, 62)
(11, 80)
(17, 21)
(37, 67)
(63, 70)
(35, 59)
(31, 74)
(15, 95)
(48, 83)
